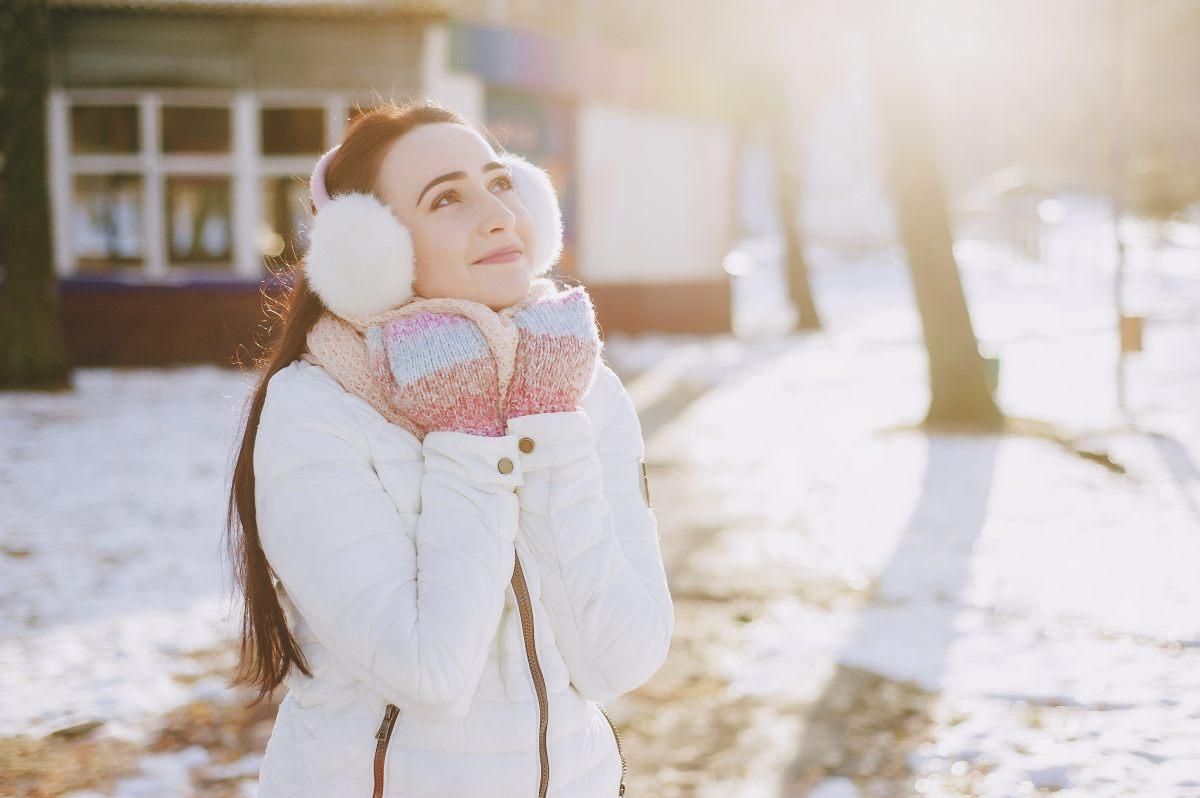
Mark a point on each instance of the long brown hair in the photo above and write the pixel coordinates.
(268, 650)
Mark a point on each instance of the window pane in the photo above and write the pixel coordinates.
(104, 128)
(195, 129)
(293, 131)
(286, 218)
(198, 221)
(106, 221)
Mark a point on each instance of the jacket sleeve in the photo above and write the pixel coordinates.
(595, 539)
(408, 602)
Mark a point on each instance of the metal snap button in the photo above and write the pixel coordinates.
(525, 445)
(505, 465)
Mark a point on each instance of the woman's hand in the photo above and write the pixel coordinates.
(558, 350)
(437, 369)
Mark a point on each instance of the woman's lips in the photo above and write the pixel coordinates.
(504, 257)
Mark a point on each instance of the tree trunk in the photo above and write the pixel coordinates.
(787, 153)
(32, 347)
(796, 267)
(957, 372)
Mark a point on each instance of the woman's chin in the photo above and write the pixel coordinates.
(503, 284)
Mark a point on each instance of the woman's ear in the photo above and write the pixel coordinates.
(537, 194)
(360, 258)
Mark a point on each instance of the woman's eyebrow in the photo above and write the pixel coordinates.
(459, 175)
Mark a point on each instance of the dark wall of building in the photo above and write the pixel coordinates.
(118, 50)
(112, 324)
(107, 323)
(694, 306)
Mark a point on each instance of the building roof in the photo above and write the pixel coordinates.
(325, 8)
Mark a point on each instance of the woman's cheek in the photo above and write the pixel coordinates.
(451, 236)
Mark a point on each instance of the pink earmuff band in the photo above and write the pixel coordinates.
(316, 184)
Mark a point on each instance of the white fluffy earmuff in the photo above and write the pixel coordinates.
(360, 258)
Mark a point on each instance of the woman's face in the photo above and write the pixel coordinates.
(444, 182)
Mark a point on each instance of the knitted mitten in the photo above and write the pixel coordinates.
(558, 350)
(437, 369)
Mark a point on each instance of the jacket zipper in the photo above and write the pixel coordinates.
(382, 737)
(525, 608)
(620, 753)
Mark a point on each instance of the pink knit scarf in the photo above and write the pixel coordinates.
(336, 343)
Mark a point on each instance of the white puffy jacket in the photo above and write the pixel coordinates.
(464, 602)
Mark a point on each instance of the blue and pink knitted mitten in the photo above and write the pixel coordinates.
(558, 350)
(438, 370)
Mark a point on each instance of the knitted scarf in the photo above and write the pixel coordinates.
(338, 344)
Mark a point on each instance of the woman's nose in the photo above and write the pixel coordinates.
(497, 215)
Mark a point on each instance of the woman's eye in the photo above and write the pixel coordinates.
(437, 203)
(504, 181)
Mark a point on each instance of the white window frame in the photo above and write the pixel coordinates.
(245, 165)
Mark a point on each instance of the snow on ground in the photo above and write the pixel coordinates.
(112, 565)
(1050, 602)
(1047, 602)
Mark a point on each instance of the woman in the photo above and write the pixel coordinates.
(439, 511)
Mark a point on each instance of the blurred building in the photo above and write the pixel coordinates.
(181, 134)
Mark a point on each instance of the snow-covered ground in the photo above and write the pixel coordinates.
(112, 573)
(1047, 603)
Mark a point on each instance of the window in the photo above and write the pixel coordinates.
(292, 138)
(195, 129)
(104, 129)
(198, 221)
(293, 131)
(106, 222)
(149, 183)
(286, 217)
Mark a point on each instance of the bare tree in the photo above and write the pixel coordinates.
(787, 154)
(958, 384)
(32, 348)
